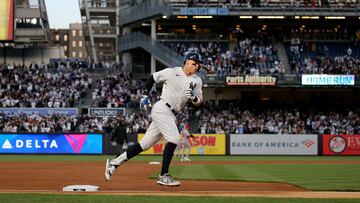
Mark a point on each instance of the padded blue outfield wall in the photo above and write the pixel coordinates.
(71, 143)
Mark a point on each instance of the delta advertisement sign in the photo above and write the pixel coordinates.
(341, 144)
(51, 143)
(201, 144)
(261, 144)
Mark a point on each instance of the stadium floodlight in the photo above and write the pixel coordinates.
(164, 16)
(202, 17)
(309, 17)
(271, 17)
(245, 17)
(181, 17)
(335, 17)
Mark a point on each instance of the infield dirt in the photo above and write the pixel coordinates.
(51, 177)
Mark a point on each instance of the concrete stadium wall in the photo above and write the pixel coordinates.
(27, 55)
(218, 93)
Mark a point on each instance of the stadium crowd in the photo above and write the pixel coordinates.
(227, 117)
(117, 91)
(69, 123)
(230, 117)
(34, 86)
(252, 56)
(311, 58)
(39, 85)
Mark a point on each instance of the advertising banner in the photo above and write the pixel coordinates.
(6, 20)
(341, 144)
(103, 112)
(250, 80)
(201, 144)
(265, 144)
(51, 143)
(39, 111)
(324, 79)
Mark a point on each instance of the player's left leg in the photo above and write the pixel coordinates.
(164, 177)
(167, 127)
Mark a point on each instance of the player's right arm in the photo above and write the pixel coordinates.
(157, 77)
(160, 76)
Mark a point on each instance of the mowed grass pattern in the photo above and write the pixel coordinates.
(321, 177)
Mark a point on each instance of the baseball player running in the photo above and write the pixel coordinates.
(180, 85)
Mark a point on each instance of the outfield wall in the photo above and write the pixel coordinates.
(201, 144)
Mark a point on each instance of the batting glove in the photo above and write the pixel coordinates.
(145, 102)
(190, 94)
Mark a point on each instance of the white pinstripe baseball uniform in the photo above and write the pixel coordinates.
(173, 98)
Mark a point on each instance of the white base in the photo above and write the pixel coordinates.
(81, 188)
(154, 163)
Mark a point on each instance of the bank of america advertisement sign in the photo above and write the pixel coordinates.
(51, 143)
(256, 144)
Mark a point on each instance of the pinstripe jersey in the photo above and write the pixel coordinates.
(175, 83)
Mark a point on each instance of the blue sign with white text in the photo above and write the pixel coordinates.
(324, 79)
(51, 143)
(39, 111)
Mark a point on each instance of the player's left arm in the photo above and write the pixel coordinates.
(198, 94)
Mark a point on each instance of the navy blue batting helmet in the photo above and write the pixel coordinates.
(193, 56)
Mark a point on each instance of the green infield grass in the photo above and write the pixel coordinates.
(322, 177)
